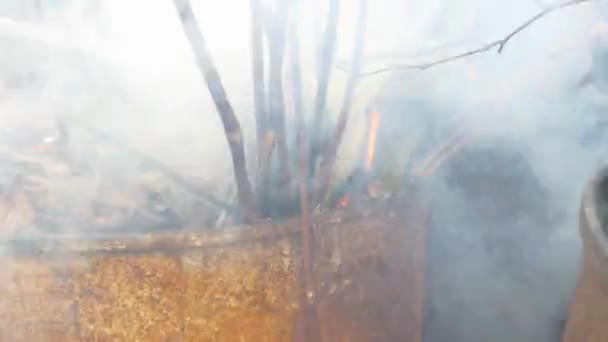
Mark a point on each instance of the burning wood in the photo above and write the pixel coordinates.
(343, 201)
(361, 180)
(366, 179)
(371, 139)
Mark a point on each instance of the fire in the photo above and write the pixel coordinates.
(343, 202)
(371, 139)
(463, 134)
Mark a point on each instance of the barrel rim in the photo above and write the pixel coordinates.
(176, 241)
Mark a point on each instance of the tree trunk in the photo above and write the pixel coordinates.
(324, 174)
(232, 127)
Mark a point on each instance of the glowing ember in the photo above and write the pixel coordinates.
(371, 139)
(343, 202)
(374, 124)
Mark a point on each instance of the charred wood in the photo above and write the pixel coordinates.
(232, 127)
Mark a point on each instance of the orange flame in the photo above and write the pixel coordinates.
(371, 139)
(343, 202)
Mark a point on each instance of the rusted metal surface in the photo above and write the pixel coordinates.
(588, 314)
(376, 293)
(234, 285)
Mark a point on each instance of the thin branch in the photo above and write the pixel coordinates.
(324, 69)
(232, 127)
(500, 44)
(259, 90)
(275, 87)
(426, 50)
(325, 172)
(352, 82)
(306, 225)
(261, 25)
(296, 77)
(307, 323)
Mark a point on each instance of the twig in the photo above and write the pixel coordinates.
(426, 50)
(500, 44)
(232, 127)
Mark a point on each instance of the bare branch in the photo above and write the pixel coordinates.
(306, 226)
(307, 324)
(232, 127)
(261, 22)
(418, 53)
(259, 90)
(500, 44)
(324, 68)
(296, 77)
(323, 177)
(276, 40)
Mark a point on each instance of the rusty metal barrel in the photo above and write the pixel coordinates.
(234, 284)
(588, 316)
